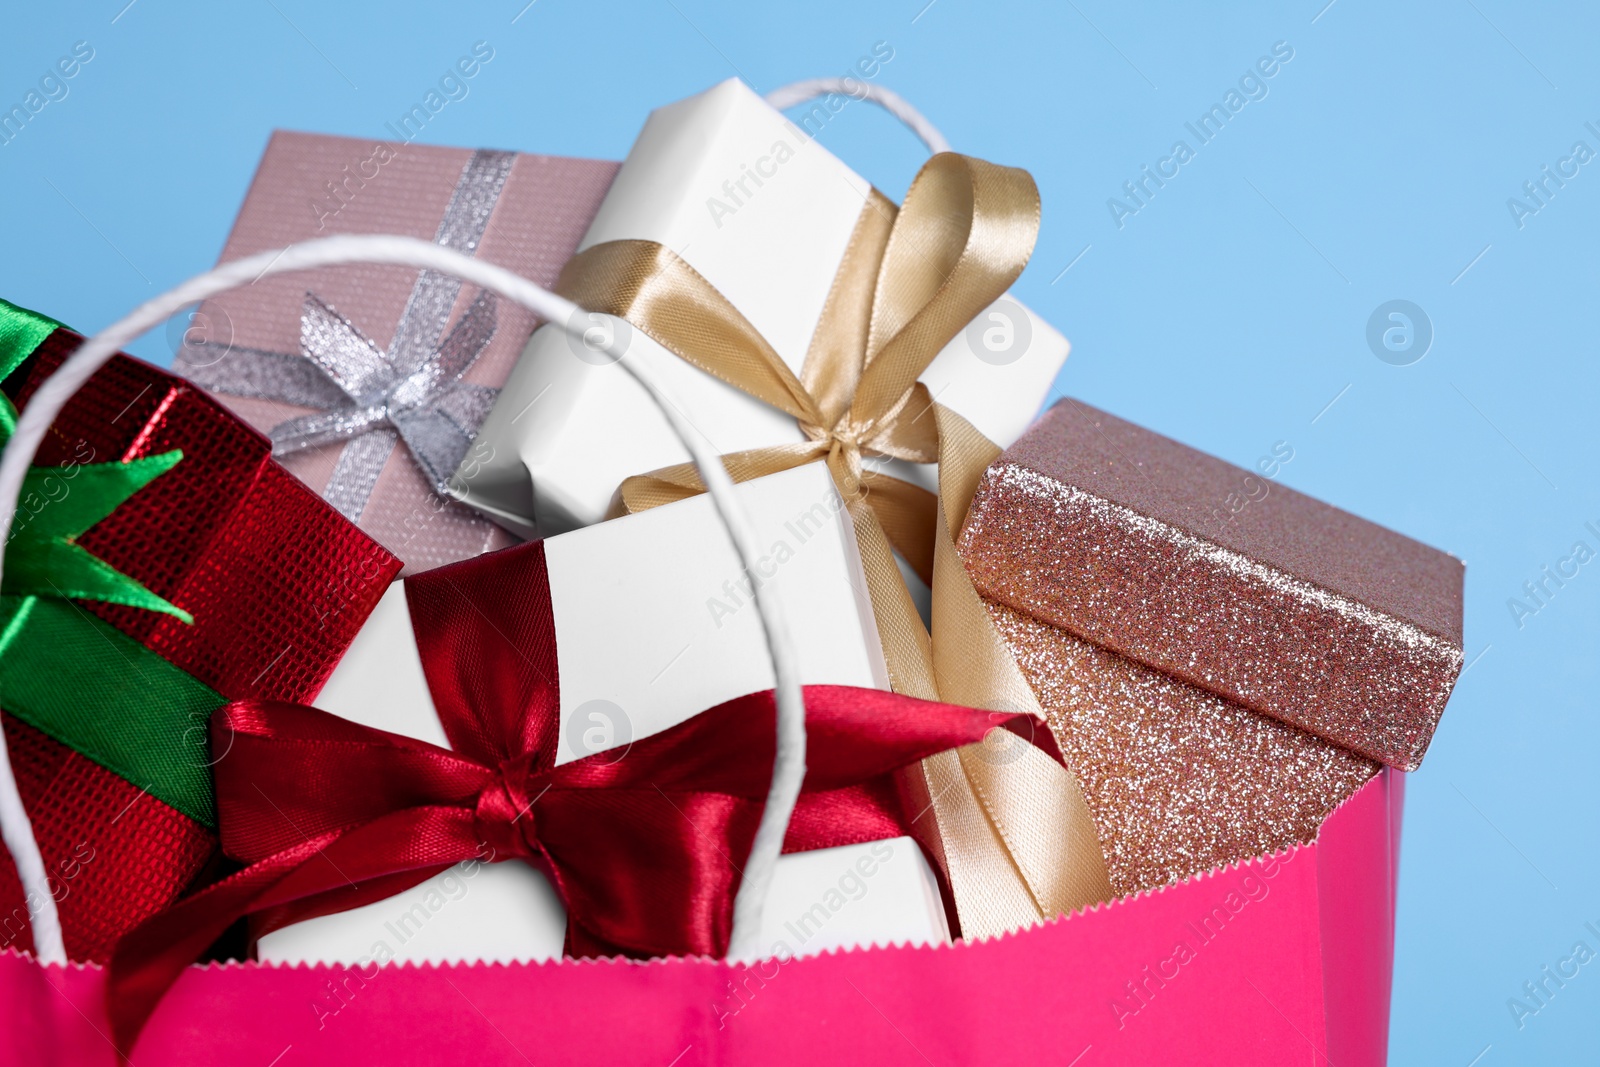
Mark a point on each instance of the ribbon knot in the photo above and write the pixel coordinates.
(504, 812)
(415, 394)
(846, 452)
(843, 449)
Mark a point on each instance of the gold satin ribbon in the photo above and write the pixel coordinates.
(1040, 833)
(1012, 825)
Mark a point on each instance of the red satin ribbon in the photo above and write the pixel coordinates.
(645, 849)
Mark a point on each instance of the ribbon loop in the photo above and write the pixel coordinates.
(669, 301)
(350, 360)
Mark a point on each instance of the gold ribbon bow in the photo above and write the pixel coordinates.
(1015, 833)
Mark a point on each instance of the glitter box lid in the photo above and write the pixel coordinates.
(1223, 578)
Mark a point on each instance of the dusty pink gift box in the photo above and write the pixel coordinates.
(346, 351)
(1282, 960)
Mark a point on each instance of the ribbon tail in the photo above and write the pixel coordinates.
(44, 558)
(152, 955)
(1039, 814)
(907, 514)
(975, 666)
(1019, 839)
(466, 340)
(907, 651)
(21, 331)
(991, 895)
(355, 475)
(332, 872)
(65, 569)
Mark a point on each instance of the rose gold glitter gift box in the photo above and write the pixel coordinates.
(1223, 660)
(372, 380)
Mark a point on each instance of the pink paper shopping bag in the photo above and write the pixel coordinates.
(1284, 959)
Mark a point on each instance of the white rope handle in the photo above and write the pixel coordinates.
(789, 766)
(888, 99)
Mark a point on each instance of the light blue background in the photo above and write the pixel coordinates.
(1228, 313)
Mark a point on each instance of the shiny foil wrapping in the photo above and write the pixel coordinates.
(278, 585)
(1178, 781)
(122, 854)
(1221, 578)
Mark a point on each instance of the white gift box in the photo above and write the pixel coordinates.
(764, 214)
(652, 627)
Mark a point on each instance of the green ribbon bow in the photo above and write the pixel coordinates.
(126, 708)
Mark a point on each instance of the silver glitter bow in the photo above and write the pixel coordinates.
(371, 398)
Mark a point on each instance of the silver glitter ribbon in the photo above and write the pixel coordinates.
(371, 398)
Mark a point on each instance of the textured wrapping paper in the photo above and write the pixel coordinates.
(1282, 960)
(277, 583)
(405, 361)
(765, 215)
(692, 639)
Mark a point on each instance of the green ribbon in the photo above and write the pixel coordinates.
(103, 694)
(21, 331)
(125, 708)
(42, 557)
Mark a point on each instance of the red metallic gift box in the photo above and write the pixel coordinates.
(278, 584)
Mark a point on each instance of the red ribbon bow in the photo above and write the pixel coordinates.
(644, 849)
